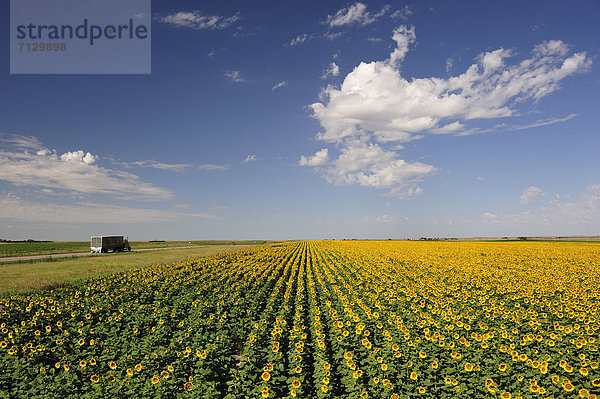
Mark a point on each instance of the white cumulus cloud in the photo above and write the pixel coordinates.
(375, 97)
(320, 158)
(530, 194)
(376, 106)
(75, 156)
(368, 164)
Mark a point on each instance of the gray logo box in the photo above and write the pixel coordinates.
(80, 36)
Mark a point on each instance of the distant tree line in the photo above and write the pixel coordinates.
(21, 241)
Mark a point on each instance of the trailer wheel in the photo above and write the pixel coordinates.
(129, 249)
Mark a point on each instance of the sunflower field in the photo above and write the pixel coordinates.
(318, 319)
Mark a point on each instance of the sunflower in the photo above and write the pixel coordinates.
(95, 379)
(568, 387)
(155, 379)
(266, 376)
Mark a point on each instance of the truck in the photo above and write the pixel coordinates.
(102, 244)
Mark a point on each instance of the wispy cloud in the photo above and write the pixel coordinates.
(250, 158)
(402, 193)
(211, 166)
(355, 14)
(582, 211)
(332, 70)
(73, 171)
(544, 122)
(403, 13)
(279, 85)
(178, 167)
(530, 194)
(15, 209)
(197, 20)
(159, 165)
(235, 76)
(378, 219)
(300, 39)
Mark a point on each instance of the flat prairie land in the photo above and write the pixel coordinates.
(10, 249)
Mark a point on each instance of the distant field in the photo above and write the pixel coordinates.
(51, 273)
(65, 247)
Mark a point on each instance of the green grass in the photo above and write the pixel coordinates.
(66, 247)
(42, 248)
(20, 278)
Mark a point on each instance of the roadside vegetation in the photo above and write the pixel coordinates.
(66, 247)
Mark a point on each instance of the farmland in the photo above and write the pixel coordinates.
(318, 319)
(64, 247)
(21, 277)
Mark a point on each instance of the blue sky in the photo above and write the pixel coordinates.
(289, 120)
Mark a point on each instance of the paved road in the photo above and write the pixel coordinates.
(87, 253)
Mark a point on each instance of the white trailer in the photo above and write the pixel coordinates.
(101, 244)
